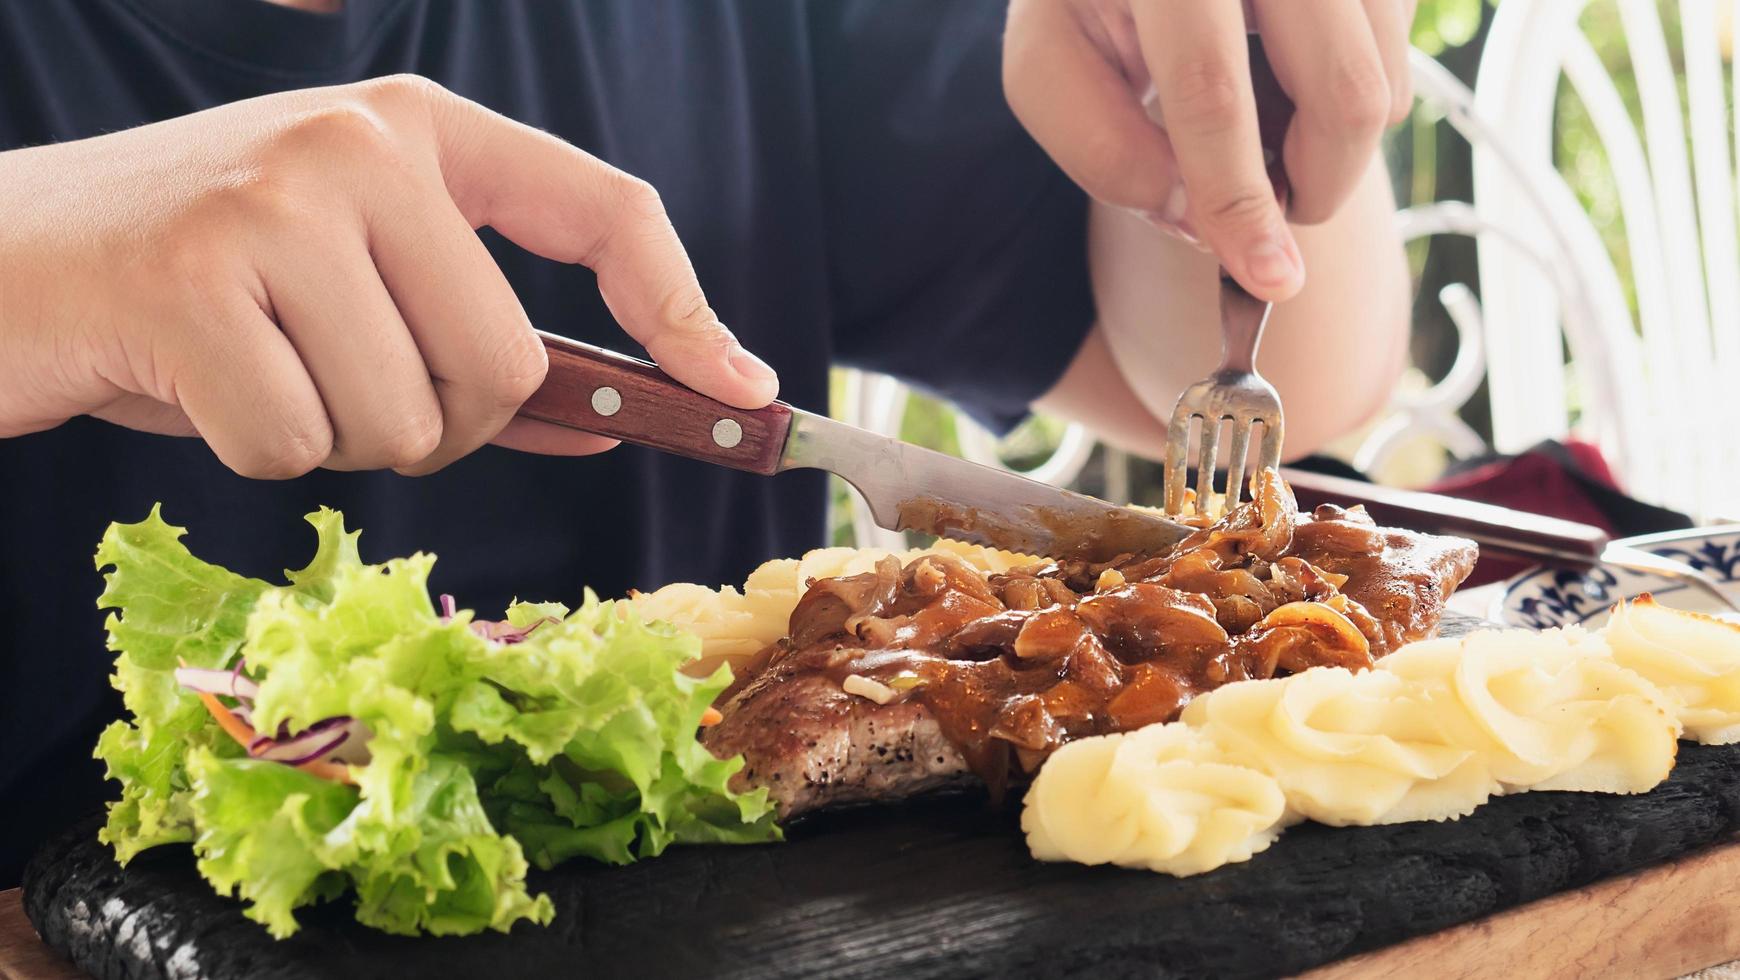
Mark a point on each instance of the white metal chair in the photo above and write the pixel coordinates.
(1651, 391)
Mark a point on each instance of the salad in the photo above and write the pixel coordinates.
(341, 733)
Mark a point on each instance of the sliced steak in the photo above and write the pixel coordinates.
(812, 745)
(904, 680)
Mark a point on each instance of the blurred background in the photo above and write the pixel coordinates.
(1566, 186)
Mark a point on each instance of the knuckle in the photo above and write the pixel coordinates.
(517, 369)
(639, 198)
(688, 312)
(402, 89)
(1360, 96)
(1242, 209)
(636, 208)
(347, 130)
(299, 449)
(1205, 93)
(411, 439)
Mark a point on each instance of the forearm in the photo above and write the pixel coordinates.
(1334, 351)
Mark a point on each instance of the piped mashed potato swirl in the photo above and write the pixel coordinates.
(1163, 798)
(1434, 731)
(1695, 659)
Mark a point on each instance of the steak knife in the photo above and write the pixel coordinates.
(908, 488)
(1546, 539)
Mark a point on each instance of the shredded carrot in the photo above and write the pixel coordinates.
(711, 717)
(338, 772)
(239, 730)
(227, 720)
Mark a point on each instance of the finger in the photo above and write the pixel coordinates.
(1326, 58)
(476, 342)
(341, 320)
(533, 436)
(248, 396)
(1078, 104)
(1197, 55)
(565, 204)
(1391, 21)
(146, 414)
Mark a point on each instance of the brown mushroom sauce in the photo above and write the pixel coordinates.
(1014, 665)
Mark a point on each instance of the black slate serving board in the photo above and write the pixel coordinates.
(943, 888)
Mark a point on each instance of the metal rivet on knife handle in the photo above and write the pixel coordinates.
(606, 401)
(727, 433)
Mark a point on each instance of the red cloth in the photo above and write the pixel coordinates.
(1557, 480)
(1532, 482)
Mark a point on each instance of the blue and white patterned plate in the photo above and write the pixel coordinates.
(1546, 597)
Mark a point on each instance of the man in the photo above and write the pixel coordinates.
(217, 225)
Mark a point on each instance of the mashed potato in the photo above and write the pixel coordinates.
(1433, 732)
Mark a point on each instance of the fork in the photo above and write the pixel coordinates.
(1234, 393)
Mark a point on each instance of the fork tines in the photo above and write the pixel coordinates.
(1234, 393)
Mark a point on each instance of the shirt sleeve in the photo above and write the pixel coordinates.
(956, 249)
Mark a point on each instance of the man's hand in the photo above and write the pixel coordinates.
(298, 280)
(1076, 72)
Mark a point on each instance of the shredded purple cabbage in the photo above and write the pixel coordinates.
(318, 741)
(497, 630)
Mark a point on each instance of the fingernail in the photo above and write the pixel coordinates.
(1270, 265)
(748, 366)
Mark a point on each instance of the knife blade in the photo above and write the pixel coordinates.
(908, 488)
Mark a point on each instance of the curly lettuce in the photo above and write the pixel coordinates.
(551, 735)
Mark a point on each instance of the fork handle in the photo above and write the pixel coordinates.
(1242, 318)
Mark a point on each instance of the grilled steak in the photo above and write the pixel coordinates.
(908, 679)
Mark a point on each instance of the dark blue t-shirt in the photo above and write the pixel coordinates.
(846, 176)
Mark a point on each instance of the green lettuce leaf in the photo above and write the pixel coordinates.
(454, 874)
(173, 608)
(579, 740)
(263, 834)
(600, 695)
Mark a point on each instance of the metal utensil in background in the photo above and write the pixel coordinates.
(908, 488)
(1547, 539)
(1622, 555)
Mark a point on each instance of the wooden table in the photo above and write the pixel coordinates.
(22, 955)
(1666, 921)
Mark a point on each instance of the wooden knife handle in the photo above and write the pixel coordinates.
(611, 394)
(1495, 528)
